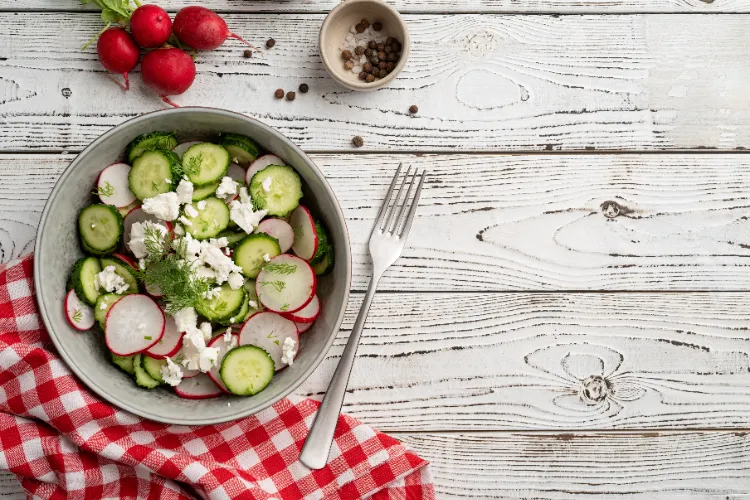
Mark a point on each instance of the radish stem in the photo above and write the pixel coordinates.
(95, 37)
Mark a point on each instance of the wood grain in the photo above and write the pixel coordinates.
(503, 222)
(482, 83)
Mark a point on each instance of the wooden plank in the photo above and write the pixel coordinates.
(503, 222)
(10, 488)
(632, 466)
(482, 83)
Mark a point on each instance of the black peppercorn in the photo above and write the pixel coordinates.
(270, 43)
(290, 96)
(377, 26)
(279, 93)
(390, 65)
(374, 60)
(413, 109)
(303, 87)
(247, 54)
(381, 46)
(382, 65)
(383, 73)
(372, 45)
(359, 50)
(396, 46)
(389, 40)
(388, 49)
(390, 57)
(367, 67)
(368, 53)
(382, 56)
(360, 28)
(349, 64)
(364, 22)
(363, 75)
(375, 70)
(370, 78)
(358, 142)
(346, 55)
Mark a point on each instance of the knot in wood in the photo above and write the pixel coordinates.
(610, 209)
(595, 388)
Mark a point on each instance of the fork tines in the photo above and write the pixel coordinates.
(403, 208)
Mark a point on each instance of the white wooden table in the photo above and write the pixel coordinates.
(570, 318)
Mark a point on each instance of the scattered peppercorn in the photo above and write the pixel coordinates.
(388, 49)
(413, 109)
(279, 93)
(383, 73)
(372, 45)
(374, 60)
(370, 78)
(382, 56)
(377, 26)
(390, 65)
(362, 75)
(389, 40)
(359, 50)
(290, 96)
(396, 46)
(382, 65)
(346, 55)
(270, 43)
(375, 70)
(390, 57)
(360, 28)
(358, 141)
(381, 46)
(349, 64)
(303, 87)
(247, 54)
(364, 22)
(368, 53)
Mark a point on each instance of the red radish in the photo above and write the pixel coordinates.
(224, 347)
(269, 331)
(279, 229)
(180, 149)
(198, 387)
(282, 291)
(127, 260)
(307, 314)
(169, 344)
(126, 210)
(202, 28)
(168, 72)
(79, 315)
(118, 53)
(303, 327)
(260, 164)
(236, 172)
(150, 25)
(112, 186)
(306, 238)
(134, 323)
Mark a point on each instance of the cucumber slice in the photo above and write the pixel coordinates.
(103, 304)
(283, 194)
(252, 296)
(100, 228)
(222, 307)
(124, 362)
(325, 265)
(149, 142)
(233, 238)
(82, 278)
(250, 251)
(205, 163)
(210, 221)
(242, 149)
(240, 315)
(153, 367)
(201, 193)
(153, 173)
(322, 243)
(123, 270)
(246, 370)
(142, 378)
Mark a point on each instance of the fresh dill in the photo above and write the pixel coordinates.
(278, 285)
(280, 268)
(154, 186)
(154, 242)
(78, 316)
(270, 335)
(285, 307)
(174, 277)
(193, 166)
(148, 337)
(106, 190)
(221, 305)
(277, 342)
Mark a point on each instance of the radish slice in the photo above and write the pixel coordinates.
(170, 343)
(303, 227)
(286, 287)
(303, 327)
(261, 163)
(223, 346)
(279, 229)
(180, 149)
(138, 215)
(126, 210)
(268, 331)
(198, 387)
(113, 186)
(307, 314)
(134, 323)
(236, 172)
(79, 315)
(154, 291)
(127, 260)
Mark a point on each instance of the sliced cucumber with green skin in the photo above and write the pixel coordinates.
(325, 265)
(222, 307)
(201, 193)
(250, 251)
(252, 296)
(153, 173)
(82, 278)
(241, 148)
(100, 228)
(246, 370)
(210, 221)
(233, 238)
(123, 270)
(205, 163)
(322, 243)
(98, 253)
(107, 300)
(142, 378)
(283, 194)
(149, 142)
(153, 367)
(239, 316)
(125, 363)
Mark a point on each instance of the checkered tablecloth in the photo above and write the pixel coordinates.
(62, 441)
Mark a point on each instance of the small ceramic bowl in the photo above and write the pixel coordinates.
(337, 25)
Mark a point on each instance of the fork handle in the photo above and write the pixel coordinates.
(318, 443)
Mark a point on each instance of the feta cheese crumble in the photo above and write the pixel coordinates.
(202, 205)
(165, 206)
(288, 350)
(110, 281)
(227, 188)
(207, 358)
(228, 334)
(242, 213)
(179, 230)
(185, 221)
(190, 211)
(252, 304)
(235, 280)
(138, 236)
(185, 319)
(184, 191)
(266, 184)
(206, 329)
(266, 257)
(171, 373)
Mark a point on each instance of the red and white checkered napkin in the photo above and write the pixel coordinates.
(64, 442)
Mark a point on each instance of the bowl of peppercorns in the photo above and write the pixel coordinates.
(364, 44)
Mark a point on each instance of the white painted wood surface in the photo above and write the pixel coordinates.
(482, 82)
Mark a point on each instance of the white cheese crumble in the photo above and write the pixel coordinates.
(165, 206)
(220, 264)
(190, 211)
(252, 304)
(185, 191)
(109, 280)
(93, 226)
(266, 184)
(228, 334)
(266, 257)
(235, 280)
(241, 212)
(171, 373)
(185, 221)
(138, 236)
(207, 358)
(227, 188)
(142, 264)
(103, 306)
(185, 319)
(179, 230)
(288, 349)
(206, 329)
(213, 293)
(202, 205)
(168, 181)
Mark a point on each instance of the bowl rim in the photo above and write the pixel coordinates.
(92, 384)
(356, 85)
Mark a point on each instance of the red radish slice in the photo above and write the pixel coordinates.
(138, 215)
(126, 210)
(198, 387)
(134, 323)
(261, 163)
(279, 229)
(180, 149)
(169, 344)
(154, 291)
(79, 315)
(113, 187)
(127, 260)
(287, 291)
(303, 226)
(303, 327)
(223, 346)
(307, 314)
(268, 331)
(236, 172)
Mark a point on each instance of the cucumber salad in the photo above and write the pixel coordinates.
(201, 265)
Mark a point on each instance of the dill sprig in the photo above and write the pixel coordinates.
(284, 269)
(193, 166)
(107, 190)
(154, 242)
(278, 285)
(77, 316)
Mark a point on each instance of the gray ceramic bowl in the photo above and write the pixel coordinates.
(57, 249)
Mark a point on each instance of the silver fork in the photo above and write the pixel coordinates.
(386, 243)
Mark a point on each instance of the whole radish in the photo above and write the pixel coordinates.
(202, 28)
(151, 26)
(118, 53)
(168, 72)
